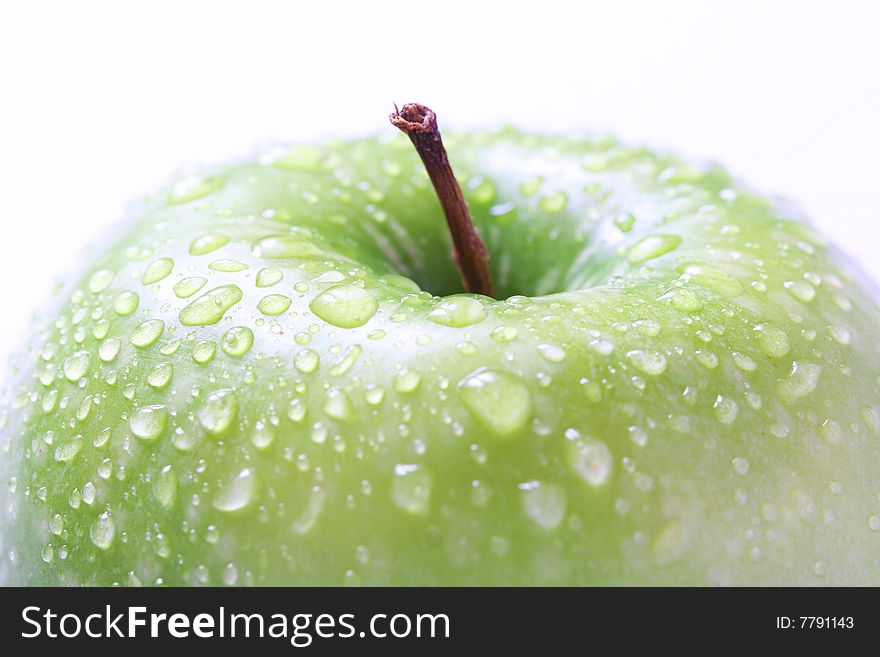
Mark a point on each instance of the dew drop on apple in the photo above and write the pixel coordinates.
(832, 432)
(725, 409)
(683, 299)
(165, 487)
(741, 465)
(345, 306)
(499, 400)
(211, 306)
(109, 349)
(192, 187)
(296, 410)
(458, 312)
(284, 246)
(262, 435)
(554, 203)
(273, 304)
(268, 276)
(772, 340)
(374, 395)
(407, 381)
(551, 353)
(874, 523)
(207, 243)
(840, 334)
(187, 287)
(589, 459)
(344, 364)
(543, 503)
(651, 363)
(203, 352)
(312, 510)
(219, 411)
(100, 280)
(706, 358)
(237, 493)
(744, 362)
(75, 366)
(601, 346)
(66, 452)
(306, 360)
(146, 333)
(103, 531)
(802, 379)
(652, 247)
(338, 406)
(160, 375)
(157, 270)
(148, 422)
(237, 341)
(800, 290)
(411, 488)
(504, 333)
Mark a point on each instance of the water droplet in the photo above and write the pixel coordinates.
(374, 395)
(840, 334)
(552, 353)
(146, 333)
(504, 333)
(801, 290)
(189, 286)
(219, 411)
(126, 303)
(160, 375)
(345, 306)
(192, 187)
(296, 410)
(590, 460)
(683, 299)
(543, 503)
(314, 507)
(832, 432)
(226, 265)
(648, 362)
(337, 405)
(741, 465)
(306, 361)
(407, 381)
(773, 340)
(67, 452)
(458, 312)
(165, 487)
(237, 493)
(207, 243)
(744, 362)
(712, 279)
(284, 246)
(555, 202)
(157, 270)
(203, 352)
(237, 341)
(76, 365)
(100, 280)
(344, 364)
(211, 306)
(652, 247)
(874, 523)
(801, 381)
(411, 488)
(268, 276)
(500, 401)
(148, 422)
(274, 304)
(263, 435)
(706, 358)
(103, 531)
(725, 409)
(601, 346)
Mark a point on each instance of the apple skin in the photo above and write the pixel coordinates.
(685, 393)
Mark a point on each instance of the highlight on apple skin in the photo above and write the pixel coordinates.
(269, 374)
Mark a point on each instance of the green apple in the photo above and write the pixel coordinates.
(271, 375)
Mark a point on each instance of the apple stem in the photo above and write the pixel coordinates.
(468, 250)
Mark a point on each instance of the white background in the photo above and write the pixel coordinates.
(101, 102)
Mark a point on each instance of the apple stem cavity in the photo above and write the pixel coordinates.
(468, 250)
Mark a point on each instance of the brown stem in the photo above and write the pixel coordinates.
(468, 250)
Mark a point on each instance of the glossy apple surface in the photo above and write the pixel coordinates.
(258, 380)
